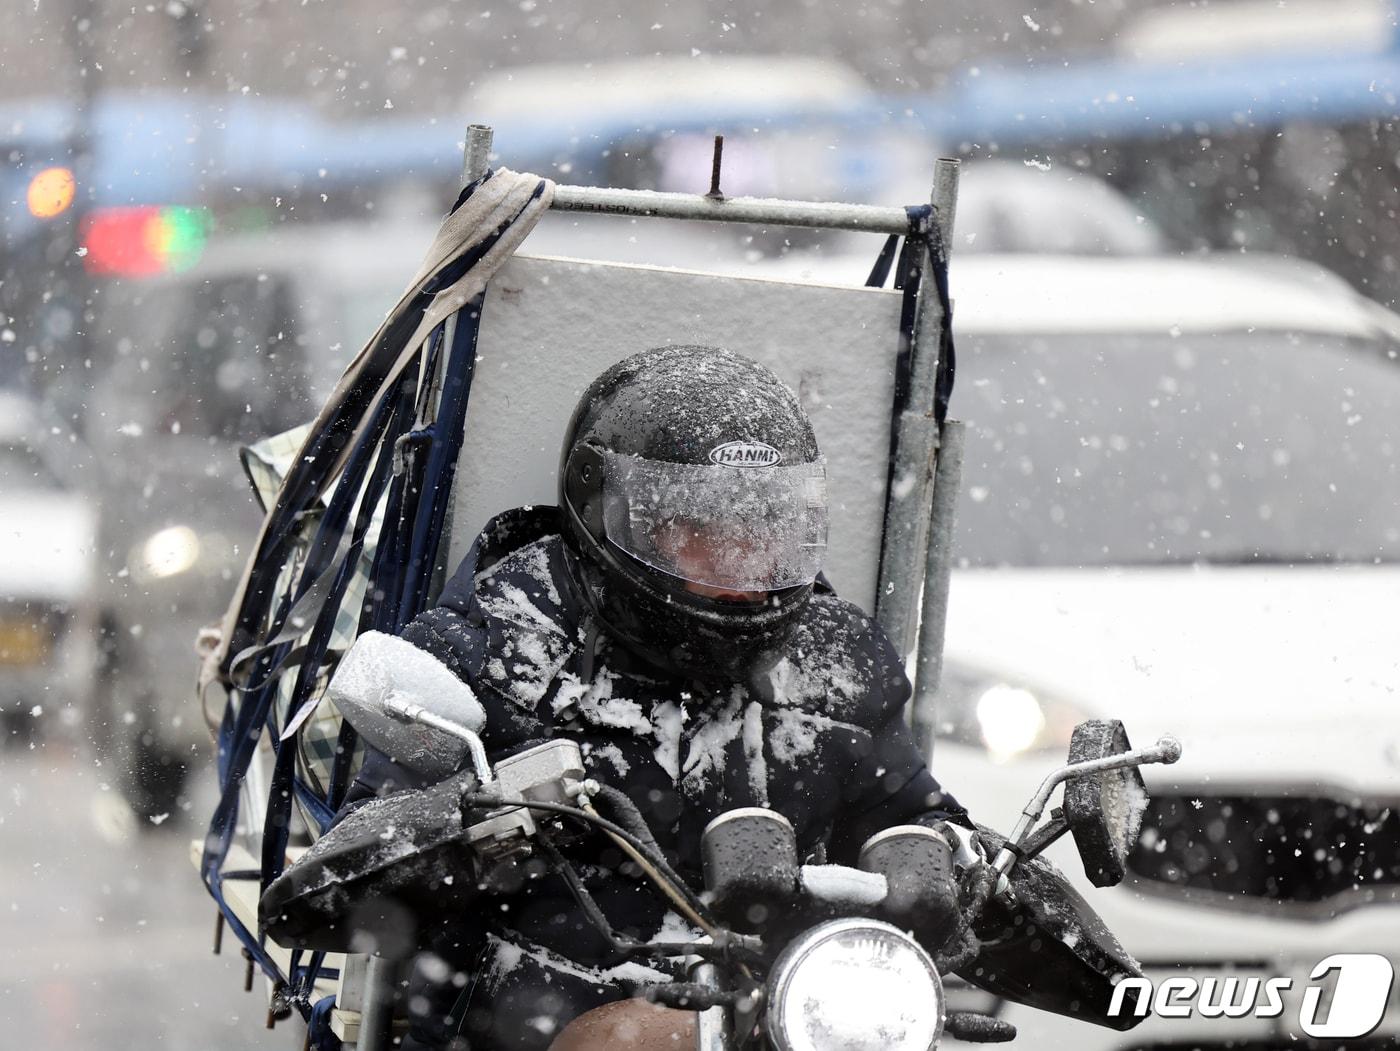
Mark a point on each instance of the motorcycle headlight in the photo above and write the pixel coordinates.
(858, 985)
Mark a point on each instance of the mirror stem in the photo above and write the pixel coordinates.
(415, 713)
(1166, 750)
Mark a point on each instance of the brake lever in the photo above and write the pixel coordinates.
(969, 854)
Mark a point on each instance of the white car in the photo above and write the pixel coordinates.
(48, 541)
(1181, 509)
(1014, 207)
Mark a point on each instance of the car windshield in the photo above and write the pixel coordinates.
(22, 471)
(1104, 449)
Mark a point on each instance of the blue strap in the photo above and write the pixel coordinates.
(319, 1036)
(924, 254)
(240, 732)
(284, 783)
(310, 472)
(340, 766)
(923, 257)
(426, 537)
(913, 261)
(426, 529)
(947, 357)
(440, 469)
(880, 272)
(302, 978)
(382, 603)
(239, 738)
(308, 476)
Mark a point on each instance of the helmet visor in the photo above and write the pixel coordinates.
(735, 528)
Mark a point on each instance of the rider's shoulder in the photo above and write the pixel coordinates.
(518, 547)
(839, 664)
(510, 588)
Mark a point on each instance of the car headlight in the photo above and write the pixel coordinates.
(1010, 717)
(858, 985)
(1006, 718)
(168, 553)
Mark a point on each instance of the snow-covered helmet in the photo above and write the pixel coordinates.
(693, 498)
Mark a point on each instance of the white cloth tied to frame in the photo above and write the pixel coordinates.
(505, 206)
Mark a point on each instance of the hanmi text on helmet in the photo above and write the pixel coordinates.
(745, 454)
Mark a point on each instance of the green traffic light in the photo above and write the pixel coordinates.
(182, 234)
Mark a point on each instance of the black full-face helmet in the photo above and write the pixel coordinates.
(694, 509)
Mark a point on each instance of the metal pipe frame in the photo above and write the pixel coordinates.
(938, 567)
(711, 1025)
(377, 1014)
(908, 506)
(761, 210)
(654, 204)
(906, 557)
(476, 156)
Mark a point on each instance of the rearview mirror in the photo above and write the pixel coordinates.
(381, 676)
(1105, 809)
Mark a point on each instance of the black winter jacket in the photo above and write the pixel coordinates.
(820, 737)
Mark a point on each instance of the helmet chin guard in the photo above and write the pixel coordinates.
(694, 510)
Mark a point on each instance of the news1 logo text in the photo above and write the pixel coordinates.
(1359, 996)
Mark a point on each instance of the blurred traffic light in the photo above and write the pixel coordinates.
(51, 193)
(140, 242)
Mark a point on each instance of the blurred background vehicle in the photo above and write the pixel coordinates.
(48, 557)
(193, 365)
(1178, 511)
(1011, 206)
(1244, 126)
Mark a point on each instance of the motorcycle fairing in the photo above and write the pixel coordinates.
(372, 875)
(1050, 950)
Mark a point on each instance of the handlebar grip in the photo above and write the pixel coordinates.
(917, 864)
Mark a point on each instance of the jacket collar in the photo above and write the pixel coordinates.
(506, 532)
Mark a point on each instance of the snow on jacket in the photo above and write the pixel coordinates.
(820, 737)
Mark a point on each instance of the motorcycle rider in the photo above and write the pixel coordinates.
(669, 615)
